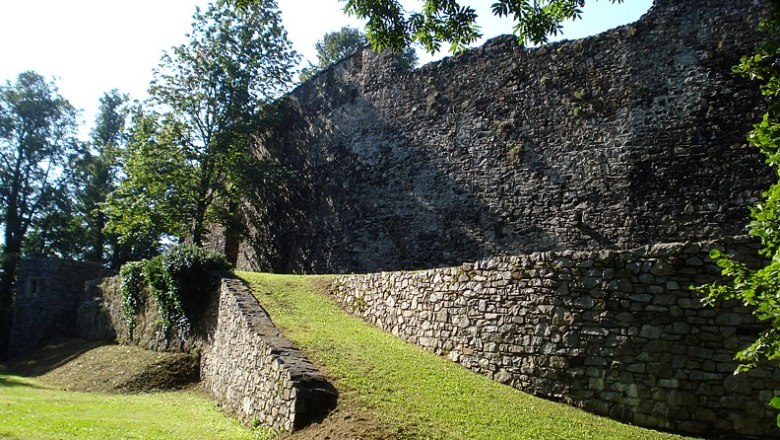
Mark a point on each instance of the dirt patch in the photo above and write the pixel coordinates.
(82, 366)
(351, 420)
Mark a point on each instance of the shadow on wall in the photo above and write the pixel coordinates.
(349, 209)
(631, 137)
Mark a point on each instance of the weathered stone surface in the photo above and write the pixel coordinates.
(628, 138)
(641, 364)
(255, 372)
(48, 292)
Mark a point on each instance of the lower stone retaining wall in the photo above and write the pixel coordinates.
(617, 333)
(255, 372)
(246, 364)
(100, 318)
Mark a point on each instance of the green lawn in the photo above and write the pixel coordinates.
(31, 410)
(413, 389)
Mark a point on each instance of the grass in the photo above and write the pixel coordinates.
(31, 410)
(423, 395)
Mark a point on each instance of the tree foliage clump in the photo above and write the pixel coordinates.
(132, 284)
(390, 26)
(187, 157)
(71, 224)
(759, 288)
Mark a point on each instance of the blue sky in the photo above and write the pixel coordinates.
(92, 46)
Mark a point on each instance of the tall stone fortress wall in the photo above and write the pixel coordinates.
(632, 137)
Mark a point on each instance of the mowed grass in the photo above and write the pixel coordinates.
(31, 410)
(423, 395)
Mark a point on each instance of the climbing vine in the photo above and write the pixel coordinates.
(132, 285)
(181, 281)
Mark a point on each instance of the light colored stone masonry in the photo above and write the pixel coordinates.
(256, 373)
(617, 333)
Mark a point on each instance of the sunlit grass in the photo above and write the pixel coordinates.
(414, 389)
(30, 410)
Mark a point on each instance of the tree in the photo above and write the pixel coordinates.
(759, 288)
(58, 231)
(154, 199)
(98, 173)
(391, 27)
(210, 93)
(335, 46)
(71, 223)
(37, 135)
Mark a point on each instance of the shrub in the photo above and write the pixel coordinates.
(132, 284)
(193, 274)
(182, 280)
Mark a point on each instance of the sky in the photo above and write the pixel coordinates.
(91, 46)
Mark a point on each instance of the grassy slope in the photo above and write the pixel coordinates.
(30, 410)
(414, 389)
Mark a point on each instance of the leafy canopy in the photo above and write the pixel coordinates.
(392, 27)
(337, 45)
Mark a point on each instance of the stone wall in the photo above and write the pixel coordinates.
(48, 292)
(255, 372)
(100, 317)
(628, 138)
(246, 364)
(617, 333)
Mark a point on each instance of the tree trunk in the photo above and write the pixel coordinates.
(10, 264)
(233, 230)
(199, 223)
(98, 255)
(198, 231)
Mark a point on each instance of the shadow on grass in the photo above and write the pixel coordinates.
(11, 382)
(55, 354)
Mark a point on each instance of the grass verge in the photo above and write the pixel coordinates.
(417, 392)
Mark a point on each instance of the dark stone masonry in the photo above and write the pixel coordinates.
(617, 333)
(632, 137)
(48, 293)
